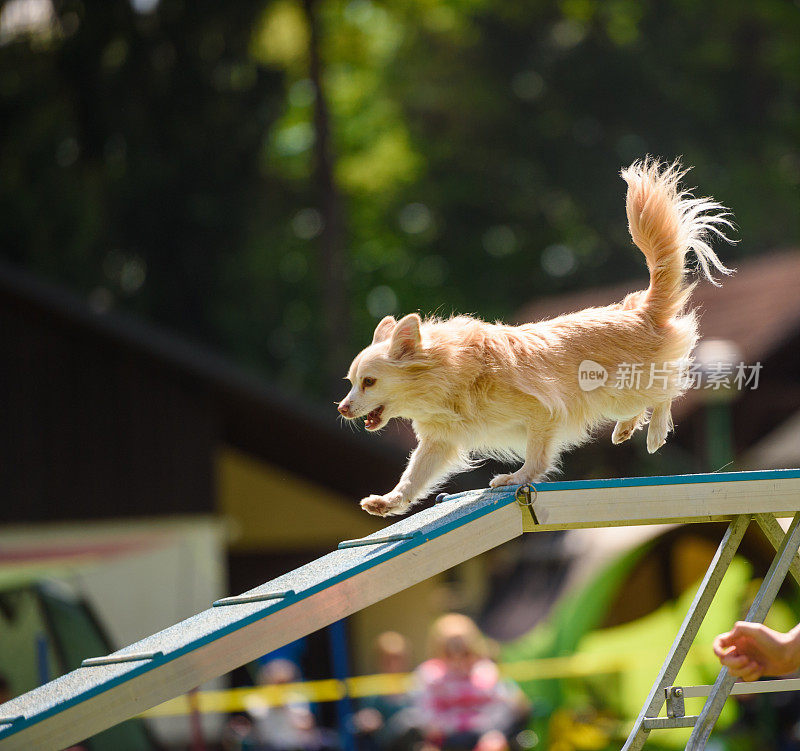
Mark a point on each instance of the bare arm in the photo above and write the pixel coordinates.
(429, 463)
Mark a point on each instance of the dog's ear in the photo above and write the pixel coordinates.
(406, 337)
(383, 329)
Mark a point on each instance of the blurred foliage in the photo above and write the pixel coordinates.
(575, 712)
(157, 156)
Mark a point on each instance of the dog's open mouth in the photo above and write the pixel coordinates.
(373, 420)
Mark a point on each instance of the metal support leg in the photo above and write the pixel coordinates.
(688, 630)
(758, 611)
(775, 534)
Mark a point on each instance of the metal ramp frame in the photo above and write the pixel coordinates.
(236, 630)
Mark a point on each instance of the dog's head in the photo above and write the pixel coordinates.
(379, 374)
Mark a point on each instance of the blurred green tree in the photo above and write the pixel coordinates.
(222, 170)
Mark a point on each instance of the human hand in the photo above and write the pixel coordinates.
(493, 740)
(750, 650)
(368, 720)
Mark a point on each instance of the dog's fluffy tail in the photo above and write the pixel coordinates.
(665, 222)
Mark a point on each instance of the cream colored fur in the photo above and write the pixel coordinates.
(474, 389)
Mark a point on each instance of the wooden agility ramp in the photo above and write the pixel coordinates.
(235, 630)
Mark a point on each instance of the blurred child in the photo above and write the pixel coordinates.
(463, 702)
(382, 722)
(290, 726)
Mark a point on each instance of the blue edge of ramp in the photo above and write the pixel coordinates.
(215, 623)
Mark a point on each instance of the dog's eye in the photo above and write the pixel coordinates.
(367, 382)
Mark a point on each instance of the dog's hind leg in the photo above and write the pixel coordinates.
(624, 429)
(538, 458)
(660, 425)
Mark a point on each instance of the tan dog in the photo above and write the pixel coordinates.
(475, 389)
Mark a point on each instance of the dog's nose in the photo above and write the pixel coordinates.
(344, 408)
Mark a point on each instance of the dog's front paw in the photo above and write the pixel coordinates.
(390, 504)
(515, 478)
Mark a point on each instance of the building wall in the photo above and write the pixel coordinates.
(92, 429)
(273, 510)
